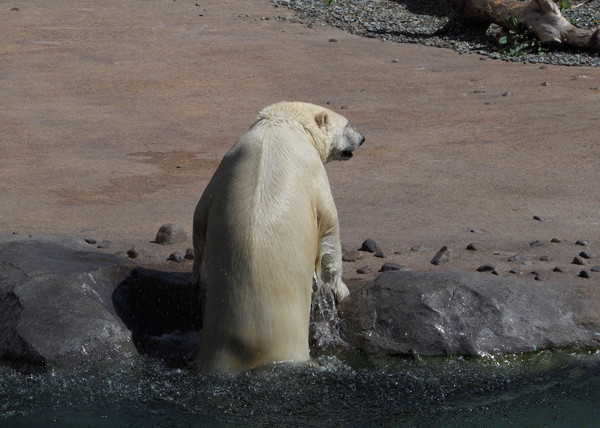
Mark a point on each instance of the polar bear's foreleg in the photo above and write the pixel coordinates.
(331, 262)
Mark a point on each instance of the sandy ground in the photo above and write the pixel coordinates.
(115, 114)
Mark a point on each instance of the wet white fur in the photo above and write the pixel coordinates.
(265, 223)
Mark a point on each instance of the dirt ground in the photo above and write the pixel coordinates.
(115, 114)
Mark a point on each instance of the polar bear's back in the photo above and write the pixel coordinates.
(267, 185)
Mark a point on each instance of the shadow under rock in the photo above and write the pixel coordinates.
(162, 310)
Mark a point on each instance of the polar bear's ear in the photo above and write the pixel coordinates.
(322, 119)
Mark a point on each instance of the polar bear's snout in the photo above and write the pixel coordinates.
(353, 140)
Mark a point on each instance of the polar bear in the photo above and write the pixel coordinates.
(265, 224)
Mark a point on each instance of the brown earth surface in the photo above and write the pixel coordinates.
(115, 114)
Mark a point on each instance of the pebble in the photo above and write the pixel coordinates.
(595, 268)
(444, 255)
(541, 276)
(535, 244)
(189, 254)
(133, 253)
(369, 246)
(351, 256)
(540, 218)
(420, 247)
(170, 233)
(477, 231)
(475, 246)
(582, 242)
(390, 266)
(515, 271)
(559, 269)
(507, 94)
(105, 244)
(364, 270)
(90, 241)
(585, 274)
(175, 257)
(517, 258)
(486, 268)
(578, 261)
(588, 255)
(421, 22)
(555, 240)
(545, 258)
(380, 254)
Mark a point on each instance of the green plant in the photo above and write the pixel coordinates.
(563, 5)
(518, 40)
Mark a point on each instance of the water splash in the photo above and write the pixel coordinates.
(324, 318)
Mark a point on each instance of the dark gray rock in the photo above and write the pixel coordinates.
(189, 254)
(56, 301)
(175, 257)
(595, 268)
(379, 254)
(475, 246)
(351, 256)
(541, 276)
(486, 268)
(535, 244)
(390, 266)
(370, 246)
(364, 270)
(540, 218)
(170, 233)
(582, 242)
(517, 258)
(452, 312)
(62, 301)
(133, 253)
(444, 255)
(588, 255)
(105, 244)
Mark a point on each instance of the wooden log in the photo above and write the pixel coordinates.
(541, 17)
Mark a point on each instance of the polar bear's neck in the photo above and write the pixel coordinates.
(296, 115)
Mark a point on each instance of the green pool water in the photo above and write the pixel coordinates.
(550, 388)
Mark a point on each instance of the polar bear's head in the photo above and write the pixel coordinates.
(342, 138)
(332, 135)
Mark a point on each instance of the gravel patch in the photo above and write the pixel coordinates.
(432, 23)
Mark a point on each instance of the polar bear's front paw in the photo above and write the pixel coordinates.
(340, 291)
